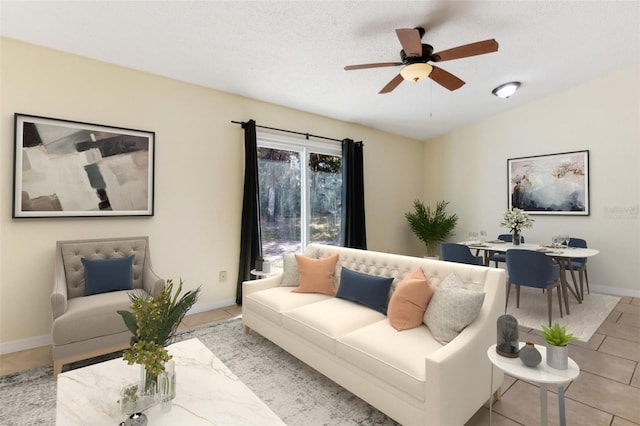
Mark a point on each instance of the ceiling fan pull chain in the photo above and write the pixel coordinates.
(431, 98)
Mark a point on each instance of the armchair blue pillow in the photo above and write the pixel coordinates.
(365, 289)
(105, 275)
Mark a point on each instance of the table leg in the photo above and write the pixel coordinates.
(575, 283)
(563, 284)
(491, 396)
(544, 420)
(563, 420)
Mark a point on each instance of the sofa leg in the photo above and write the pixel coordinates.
(246, 329)
(497, 395)
(57, 368)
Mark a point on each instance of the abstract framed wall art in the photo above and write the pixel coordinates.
(68, 168)
(554, 184)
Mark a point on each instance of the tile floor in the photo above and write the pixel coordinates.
(607, 392)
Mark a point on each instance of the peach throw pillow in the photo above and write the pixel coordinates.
(316, 275)
(409, 301)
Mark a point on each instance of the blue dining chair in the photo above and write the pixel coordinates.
(578, 264)
(459, 253)
(532, 269)
(501, 257)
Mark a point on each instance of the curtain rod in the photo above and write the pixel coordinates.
(306, 135)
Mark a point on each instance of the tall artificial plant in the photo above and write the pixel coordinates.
(431, 226)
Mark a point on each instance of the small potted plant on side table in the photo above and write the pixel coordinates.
(557, 340)
(262, 264)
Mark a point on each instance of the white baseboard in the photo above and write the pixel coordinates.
(614, 291)
(203, 307)
(24, 344)
(44, 340)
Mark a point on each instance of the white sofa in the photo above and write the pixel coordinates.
(407, 375)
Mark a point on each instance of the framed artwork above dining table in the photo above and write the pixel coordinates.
(551, 184)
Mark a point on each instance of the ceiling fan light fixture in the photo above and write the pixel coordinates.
(416, 72)
(506, 90)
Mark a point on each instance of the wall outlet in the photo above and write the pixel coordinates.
(222, 276)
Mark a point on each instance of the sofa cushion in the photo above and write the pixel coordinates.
(409, 301)
(368, 290)
(452, 308)
(323, 322)
(272, 302)
(396, 358)
(316, 275)
(90, 317)
(105, 275)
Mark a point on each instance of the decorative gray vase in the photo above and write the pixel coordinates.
(558, 357)
(529, 355)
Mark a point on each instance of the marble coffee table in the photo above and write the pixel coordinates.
(207, 392)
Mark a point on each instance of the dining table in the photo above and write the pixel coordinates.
(561, 255)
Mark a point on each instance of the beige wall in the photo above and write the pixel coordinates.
(602, 116)
(199, 175)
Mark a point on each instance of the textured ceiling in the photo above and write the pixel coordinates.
(293, 53)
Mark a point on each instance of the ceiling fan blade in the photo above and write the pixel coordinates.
(445, 79)
(410, 40)
(392, 84)
(378, 65)
(472, 49)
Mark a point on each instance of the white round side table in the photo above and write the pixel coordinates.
(262, 274)
(541, 374)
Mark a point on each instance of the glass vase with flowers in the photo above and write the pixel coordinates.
(516, 219)
(153, 321)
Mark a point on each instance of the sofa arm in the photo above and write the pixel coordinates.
(59, 298)
(461, 371)
(252, 286)
(59, 293)
(151, 282)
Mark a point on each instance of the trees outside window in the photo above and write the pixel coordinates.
(300, 194)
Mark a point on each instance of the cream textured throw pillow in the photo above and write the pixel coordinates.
(409, 301)
(452, 308)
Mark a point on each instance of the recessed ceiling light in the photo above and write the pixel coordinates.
(507, 89)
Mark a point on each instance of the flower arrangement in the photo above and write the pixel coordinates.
(516, 219)
(153, 322)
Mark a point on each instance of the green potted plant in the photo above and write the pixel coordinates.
(431, 227)
(262, 264)
(557, 340)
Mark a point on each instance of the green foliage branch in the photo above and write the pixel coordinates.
(153, 322)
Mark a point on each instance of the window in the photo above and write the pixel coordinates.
(300, 184)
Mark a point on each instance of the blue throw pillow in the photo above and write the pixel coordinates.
(105, 275)
(368, 290)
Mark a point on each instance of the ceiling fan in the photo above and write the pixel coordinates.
(415, 57)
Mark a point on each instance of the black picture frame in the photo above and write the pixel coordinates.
(550, 184)
(65, 168)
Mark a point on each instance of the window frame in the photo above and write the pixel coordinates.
(304, 147)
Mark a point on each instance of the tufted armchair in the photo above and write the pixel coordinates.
(85, 321)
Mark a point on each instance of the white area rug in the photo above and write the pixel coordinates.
(584, 320)
(299, 395)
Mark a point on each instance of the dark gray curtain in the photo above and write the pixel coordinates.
(250, 235)
(353, 231)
